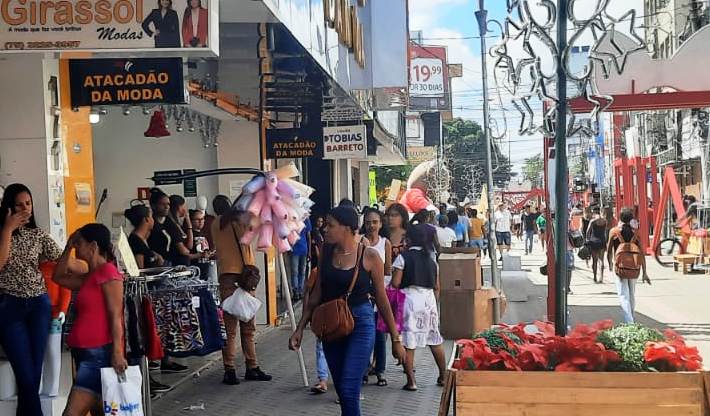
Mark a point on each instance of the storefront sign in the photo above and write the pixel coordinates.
(420, 154)
(288, 144)
(345, 142)
(126, 81)
(167, 177)
(116, 25)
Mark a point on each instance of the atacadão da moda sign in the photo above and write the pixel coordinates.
(108, 25)
(345, 142)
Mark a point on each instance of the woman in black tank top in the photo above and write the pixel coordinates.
(349, 357)
(596, 240)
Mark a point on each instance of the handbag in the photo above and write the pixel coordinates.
(250, 276)
(241, 305)
(576, 238)
(585, 253)
(333, 320)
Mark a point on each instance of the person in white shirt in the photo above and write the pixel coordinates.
(502, 223)
(446, 235)
(517, 225)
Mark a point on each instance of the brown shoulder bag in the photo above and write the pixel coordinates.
(250, 276)
(333, 320)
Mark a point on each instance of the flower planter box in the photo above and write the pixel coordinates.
(509, 393)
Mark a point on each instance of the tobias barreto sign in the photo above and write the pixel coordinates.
(115, 25)
(126, 81)
(345, 142)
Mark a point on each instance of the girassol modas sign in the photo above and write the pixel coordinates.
(126, 81)
(116, 25)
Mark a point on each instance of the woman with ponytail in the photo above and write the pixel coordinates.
(417, 274)
(96, 338)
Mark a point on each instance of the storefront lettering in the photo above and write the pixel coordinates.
(350, 148)
(144, 94)
(64, 12)
(294, 149)
(346, 137)
(119, 80)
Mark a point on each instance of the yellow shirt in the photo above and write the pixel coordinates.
(228, 258)
(475, 231)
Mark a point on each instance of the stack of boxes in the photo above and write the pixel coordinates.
(466, 305)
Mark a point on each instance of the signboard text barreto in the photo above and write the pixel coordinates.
(40, 25)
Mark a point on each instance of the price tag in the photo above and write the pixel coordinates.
(196, 302)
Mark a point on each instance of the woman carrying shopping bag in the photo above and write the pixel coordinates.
(96, 338)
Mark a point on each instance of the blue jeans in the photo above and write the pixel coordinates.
(529, 240)
(349, 357)
(321, 363)
(626, 288)
(24, 329)
(89, 362)
(298, 273)
(380, 352)
(479, 243)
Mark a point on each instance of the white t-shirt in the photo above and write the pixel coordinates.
(502, 221)
(446, 236)
(517, 219)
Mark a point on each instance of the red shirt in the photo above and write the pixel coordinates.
(91, 328)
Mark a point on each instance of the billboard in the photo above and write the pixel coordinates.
(428, 78)
(109, 25)
(126, 81)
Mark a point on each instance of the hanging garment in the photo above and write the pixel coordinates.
(153, 347)
(135, 338)
(210, 327)
(177, 321)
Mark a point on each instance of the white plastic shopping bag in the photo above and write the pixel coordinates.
(242, 305)
(122, 395)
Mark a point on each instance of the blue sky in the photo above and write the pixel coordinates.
(450, 23)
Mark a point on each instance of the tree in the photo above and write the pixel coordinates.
(385, 174)
(465, 154)
(532, 170)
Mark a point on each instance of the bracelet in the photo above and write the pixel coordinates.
(398, 338)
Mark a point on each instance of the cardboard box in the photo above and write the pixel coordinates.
(459, 250)
(466, 312)
(460, 272)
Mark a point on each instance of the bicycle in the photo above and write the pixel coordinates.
(666, 250)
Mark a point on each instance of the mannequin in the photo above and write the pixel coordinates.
(59, 298)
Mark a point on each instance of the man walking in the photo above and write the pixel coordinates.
(502, 221)
(530, 228)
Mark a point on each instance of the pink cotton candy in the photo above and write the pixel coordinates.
(293, 237)
(266, 215)
(286, 190)
(248, 237)
(257, 203)
(282, 245)
(254, 185)
(266, 234)
(279, 210)
(281, 229)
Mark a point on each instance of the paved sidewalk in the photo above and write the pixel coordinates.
(285, 394)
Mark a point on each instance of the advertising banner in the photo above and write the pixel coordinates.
(109, 25)
(126, 81)
(428, 78)
(420, 154)
(373, 187)
(287, 144)
(345, 142)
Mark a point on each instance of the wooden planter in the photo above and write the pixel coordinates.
(496, 393)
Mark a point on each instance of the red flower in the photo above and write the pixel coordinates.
(673, 355)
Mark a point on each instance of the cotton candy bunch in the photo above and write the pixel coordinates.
(281, 205)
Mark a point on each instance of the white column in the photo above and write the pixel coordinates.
(363, 197)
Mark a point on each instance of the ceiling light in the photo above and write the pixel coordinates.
(94, 117)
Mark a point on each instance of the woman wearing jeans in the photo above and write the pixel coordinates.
(349, 357)
(25, 310)
(626, 288)
(96, 338)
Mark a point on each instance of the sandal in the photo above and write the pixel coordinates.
(407, 387)
(381, 380)
(319, 389)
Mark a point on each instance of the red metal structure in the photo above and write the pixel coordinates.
(633, 179)
(671, 191)
(519, 199)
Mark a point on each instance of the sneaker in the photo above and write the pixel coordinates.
(255, 374)
(173, 367)
(230, 377)
(156, 387)
(153, 365)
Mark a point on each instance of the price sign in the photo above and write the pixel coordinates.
(426, 77)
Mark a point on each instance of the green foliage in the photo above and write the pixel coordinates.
(465, 151)
(629, 341)
(496, 339)
(533, 169)
(385, 174)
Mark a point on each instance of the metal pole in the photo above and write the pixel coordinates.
(482, 18)
(561, 179)
(292, 316)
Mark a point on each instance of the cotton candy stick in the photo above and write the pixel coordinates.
(244, 202)
(254, 185)
(266, 234)
(266, 215)
(286, 190)
(293, 237)
(257, 203)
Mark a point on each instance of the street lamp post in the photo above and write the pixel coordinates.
(482, 18)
